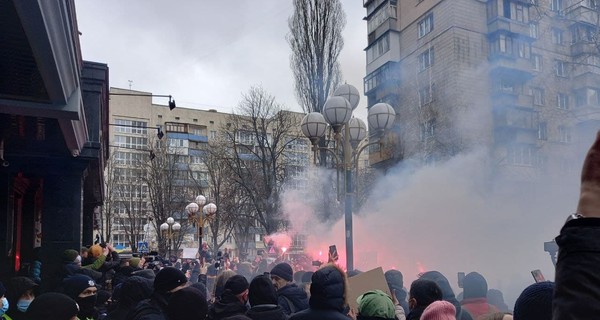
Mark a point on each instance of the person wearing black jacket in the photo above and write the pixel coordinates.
(447, 293)
(263, 300)
(130, 293)
(168, 280)
(233, 300)
(422, 293)
(328, 293)
(577, 290)
(289, 296)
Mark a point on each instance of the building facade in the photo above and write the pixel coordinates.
(518, 77)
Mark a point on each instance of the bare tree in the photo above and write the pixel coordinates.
(258, 133)
(316, 41)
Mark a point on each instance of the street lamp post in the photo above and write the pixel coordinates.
(198, 218)
(169, 229)
(337, 113)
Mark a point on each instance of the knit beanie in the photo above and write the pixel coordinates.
(535, 302)
(134, 262)
(439, 310)
(2, 290)
(474, 286)
(262, 291)
(284, 271)
(168, 279)
(187, 303)
(96, 250)
(76, 284)
(376, 303)
(52, 305)
(70, 255)
(236, 284)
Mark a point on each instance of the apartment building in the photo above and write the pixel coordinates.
(136, 124)
(520, 78)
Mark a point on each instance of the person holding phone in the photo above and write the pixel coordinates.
(577, 291)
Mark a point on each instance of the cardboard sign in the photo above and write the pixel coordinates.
(366, 281)
(190, 253)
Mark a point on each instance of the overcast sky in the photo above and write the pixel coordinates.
(206, 53)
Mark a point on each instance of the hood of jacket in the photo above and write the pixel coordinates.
(134, 290)
(442, 282)
(295, 294)
(328, 289)
(227, 306)
(266, 312)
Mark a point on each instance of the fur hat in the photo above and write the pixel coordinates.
(70, 255)
(187, 303)
(168, 279)
(474, 286)
(52, 305)
(76, 284)
(236, 284)
(439, 310)
(535, 302)
(262, 291)
(284, 271)
(376, 303)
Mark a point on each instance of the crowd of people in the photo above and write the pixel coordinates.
(95, 283)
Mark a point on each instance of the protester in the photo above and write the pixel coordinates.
(168, 280)
(422, 293)
(439, 310)
(395, 281)
(306, 280)
(289, 296)
(187, 303)
(475, 296)
(577, 291)
(72, 266)
(20, 292)
(447, 293)
(82, 289)
(52, 306)
(130, 293)
(233, 300)
(375, 304)
(535, 302)
(496, 298)
(328, 292)
(263, 300)
(220, 283)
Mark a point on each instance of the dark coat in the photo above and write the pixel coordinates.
(415, 314)
(227, 306)
(150, 309)
(15, 288)
(132, 291)
(327, 296)
(447, 293)
(577, 291)
(266, 312)
(294, 294)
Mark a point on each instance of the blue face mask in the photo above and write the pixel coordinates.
(23, 304)
(4, 308)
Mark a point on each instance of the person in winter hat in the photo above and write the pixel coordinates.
(535, 302)
(475, 296)
(395, 282)
(263, 300)
(52, 305)
(167, 281)
(375, 304)
(289, 296)
(328, 295)
(130, 293)
(422, 293)
(447, 292)
(187, 303)
(233, 300)
(82, 289)
(20, 292)
(496, 298)
(439, 310)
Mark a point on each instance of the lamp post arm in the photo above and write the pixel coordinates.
(336, 156)
(360, 150)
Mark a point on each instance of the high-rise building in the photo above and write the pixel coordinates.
(518, 77)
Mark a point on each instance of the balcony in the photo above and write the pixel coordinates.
(584, 48)
(501, 98)
(501, 24)
(509, 67)
(582, 13)
(587, 112)
(585, 75)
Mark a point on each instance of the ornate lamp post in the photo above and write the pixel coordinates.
(337, 113)
(169, 230)
(198, 217)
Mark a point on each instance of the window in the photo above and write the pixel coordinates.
(523, 155)
(428, 130)
(562, 100)
(507, 86)
(560, 67)
(524, 49)
(213, 134)
(378, 48)
(564, 134)
(536, 61)
(425, 95)
(502, 45)
(131, 142)
(542, 131)
(534, 30)
(556, 5)
(519, 12)
(538, 96)
(131, 126)
(557, 36)
(426, 59)
(425, 26)
(379, 17)
(587, 97)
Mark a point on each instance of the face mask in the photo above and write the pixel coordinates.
(4, 308)
(87, 304)
(23, 304)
